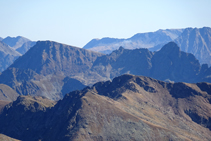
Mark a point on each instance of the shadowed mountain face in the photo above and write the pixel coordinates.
(168, 64)
(50, 57)
(7, 56)
(196, 41)
(140, 40)
(192, 40)
(128, 108)
(45, 68)
(51, 69)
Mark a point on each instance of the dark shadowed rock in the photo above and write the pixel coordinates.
(173, 64)
(43, 69)
(129, 107)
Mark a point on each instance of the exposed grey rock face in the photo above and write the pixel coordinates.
(19, 43)
(7, 56)
(25, 47)
(7, 93)
(198, 42)
(129, 107)
(51, 69)
(167, 64)
(140, 40)
(192, 40)
(48, 69)
(15, 42)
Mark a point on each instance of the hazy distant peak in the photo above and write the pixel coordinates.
(15, 42)
(8, 50)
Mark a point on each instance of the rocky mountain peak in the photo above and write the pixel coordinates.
(15, 42)
(170, 48)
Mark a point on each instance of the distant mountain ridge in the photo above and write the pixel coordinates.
(7, 56)
(19, 43)
(198, 42)
(168, 64)
(51, 69)
(15, 42)
(140, 40)
(192, 40)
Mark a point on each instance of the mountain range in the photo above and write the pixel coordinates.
(139, 40)
(46, 70)
(19, 43)
(191, 40)
(127, 108)
(55, 91)
(51, 69)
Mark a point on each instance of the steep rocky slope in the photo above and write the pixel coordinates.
(7, 56)
(198, 42)
(128, 108)
(51, 69)
(167, 64)
(192, 40)
(25, 47)
(48, 67)
(7, 93)
(6, 138)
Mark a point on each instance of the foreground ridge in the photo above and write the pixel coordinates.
(127, 108)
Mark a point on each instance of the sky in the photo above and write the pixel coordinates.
(76, 22)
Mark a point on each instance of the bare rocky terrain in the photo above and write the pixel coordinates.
(51, 69)
(127, 108)
(7, 56)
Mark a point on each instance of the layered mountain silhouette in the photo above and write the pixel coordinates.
(7, 56)
(15, 42)
(51, 69)
(167, 64)
(198, 42)
(140, 40)
(19, 43)
(127, 108)
(192, 40)
(46, 70)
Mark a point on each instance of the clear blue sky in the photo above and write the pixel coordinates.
(76, 22)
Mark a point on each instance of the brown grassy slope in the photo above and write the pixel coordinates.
(6, 138)
(136, 108)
